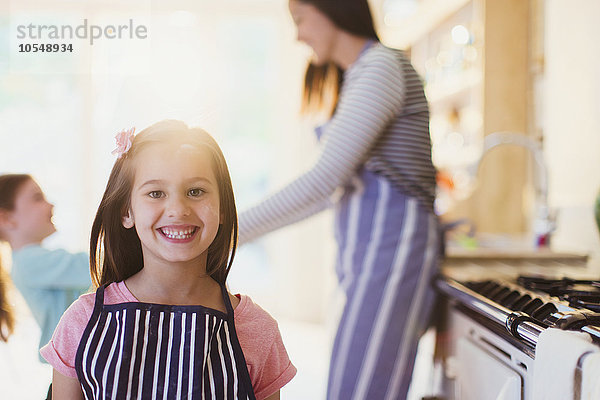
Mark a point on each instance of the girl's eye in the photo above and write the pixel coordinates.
(156, 194)
(195, 192)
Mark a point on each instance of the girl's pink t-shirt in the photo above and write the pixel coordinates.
(268, 363)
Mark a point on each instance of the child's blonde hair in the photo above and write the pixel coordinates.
(116, 252)
(7, 320)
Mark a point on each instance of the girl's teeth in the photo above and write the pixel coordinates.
(178, 234)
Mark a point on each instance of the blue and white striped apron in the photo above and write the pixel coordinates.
(388, 252)
(154, 351)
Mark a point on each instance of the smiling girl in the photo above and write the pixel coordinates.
(162, 323)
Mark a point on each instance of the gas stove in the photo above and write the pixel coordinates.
(493, 325)
(530, 304)
(557, 303)
(580, 294)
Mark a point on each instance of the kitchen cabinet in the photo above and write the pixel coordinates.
(476, 63)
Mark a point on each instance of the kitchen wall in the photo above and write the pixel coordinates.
(556, 53)
(571, 119)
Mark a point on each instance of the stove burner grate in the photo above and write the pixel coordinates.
(514, 300)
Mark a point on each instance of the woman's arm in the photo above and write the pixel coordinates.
(247, 235)
(372, 96)
(64, 387)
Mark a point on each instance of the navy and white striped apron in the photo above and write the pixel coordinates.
(154, 351)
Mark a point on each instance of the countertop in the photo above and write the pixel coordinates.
(542, 256)
(485, 263)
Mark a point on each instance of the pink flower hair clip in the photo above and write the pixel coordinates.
(124, 141)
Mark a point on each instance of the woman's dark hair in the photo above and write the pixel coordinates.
(322, 83)
(9, 187)
(116, 252)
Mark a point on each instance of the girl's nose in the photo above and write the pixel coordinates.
(178, 207)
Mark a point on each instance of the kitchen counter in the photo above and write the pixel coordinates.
(483, 263)
(539, 256)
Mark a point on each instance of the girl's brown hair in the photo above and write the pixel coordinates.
(322, 83)
(9, 187)
(116, 252)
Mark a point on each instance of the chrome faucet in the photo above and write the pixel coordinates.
(545, 221)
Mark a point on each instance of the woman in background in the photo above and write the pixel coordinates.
(376, 158)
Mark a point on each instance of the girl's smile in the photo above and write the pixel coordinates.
(178, 233)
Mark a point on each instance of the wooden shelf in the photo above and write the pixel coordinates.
(429, 14)
(451, 92)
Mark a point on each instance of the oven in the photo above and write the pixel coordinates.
(492, 327)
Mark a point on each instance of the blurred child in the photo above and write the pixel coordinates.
(49, 280)
(162, 323)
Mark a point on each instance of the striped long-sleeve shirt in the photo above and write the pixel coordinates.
(381, 123)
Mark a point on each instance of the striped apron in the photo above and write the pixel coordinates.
(154, 351)
(388, 252)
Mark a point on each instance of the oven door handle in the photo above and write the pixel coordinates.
(523, 327)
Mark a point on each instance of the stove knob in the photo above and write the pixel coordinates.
(562, 320)
(521, 302)
(532, 305)
(510, 299)
(544, 311)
